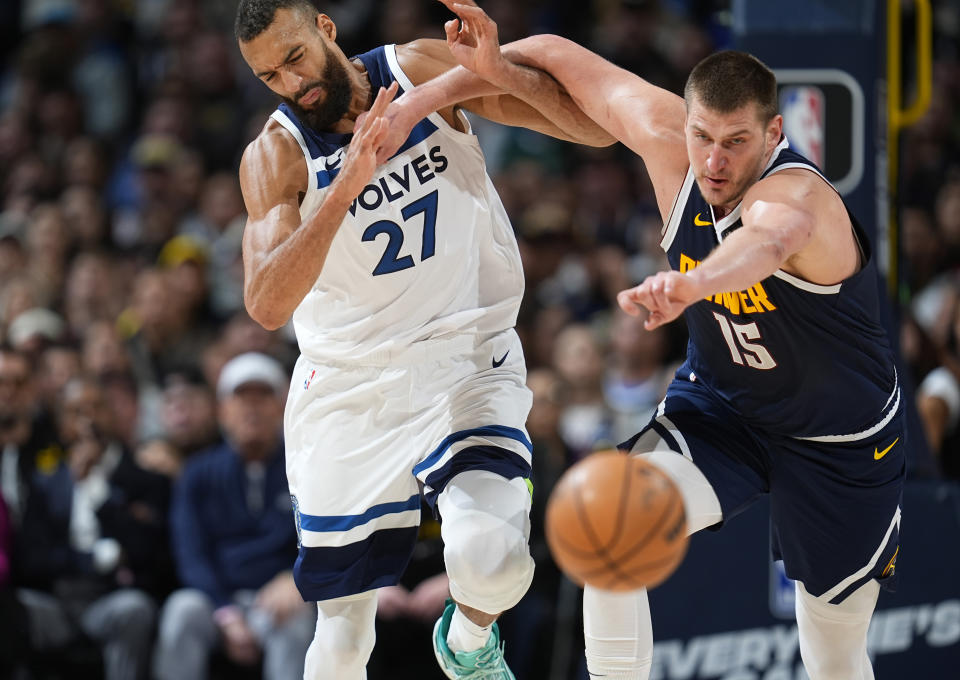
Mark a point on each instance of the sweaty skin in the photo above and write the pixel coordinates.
(792, 220)
(290, 57)
(298, 59)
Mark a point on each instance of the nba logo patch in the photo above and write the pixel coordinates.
(306, 383)
(802, 107)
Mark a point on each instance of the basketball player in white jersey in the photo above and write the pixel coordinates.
(403, 283)
(800, 401)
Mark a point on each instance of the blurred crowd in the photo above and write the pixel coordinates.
(145, 527)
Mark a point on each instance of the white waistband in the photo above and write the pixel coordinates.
(416, 353)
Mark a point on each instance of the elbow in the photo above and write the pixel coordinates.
(265, 314)
(551, 41)
(601, 139)
(539, 50)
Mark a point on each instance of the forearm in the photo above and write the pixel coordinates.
(449, 89)
(513, 95)
(742, 260)
(532, 91)
(573, 68)
(280, 279)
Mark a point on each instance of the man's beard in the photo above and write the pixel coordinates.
(335, 103)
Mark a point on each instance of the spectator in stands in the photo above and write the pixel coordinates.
(12, 618)
(637, 377)
(586, 423)
(96, 530)
(28, 441)
(189, 411)
(235, 540)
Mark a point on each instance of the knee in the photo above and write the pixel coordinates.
(835, 664)
(485, 531)
(133, 614)
(833, 638)
(186, 613)
(484, 557)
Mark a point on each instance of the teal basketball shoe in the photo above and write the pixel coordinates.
(486, 663)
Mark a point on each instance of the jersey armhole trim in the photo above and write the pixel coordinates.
(789, 278)
(676, 212)
(292, 128)
(390, 52)
(806, 285)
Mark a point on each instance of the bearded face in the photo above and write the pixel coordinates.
(331, 102)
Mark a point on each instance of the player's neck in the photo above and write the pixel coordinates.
(361, 99)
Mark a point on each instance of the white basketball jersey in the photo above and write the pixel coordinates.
(425, 252)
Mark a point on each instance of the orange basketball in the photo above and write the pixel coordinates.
(616, 522)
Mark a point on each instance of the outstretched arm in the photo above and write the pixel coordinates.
(283, 257)
(645, 118)
(778, 226)
(424, 60)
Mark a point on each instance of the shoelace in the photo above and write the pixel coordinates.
(483, 670)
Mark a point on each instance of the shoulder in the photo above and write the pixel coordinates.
(425, 59)
(271, 147)
(273, 165)
(799, 187)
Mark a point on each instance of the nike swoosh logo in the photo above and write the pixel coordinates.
(877, 455)
(334, 164)
(498, 364)
(701, 223)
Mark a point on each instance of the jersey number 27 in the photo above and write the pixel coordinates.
(391, 261)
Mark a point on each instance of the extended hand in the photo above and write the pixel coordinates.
(369, 133)
(392, 602)
(280, 597)
(426, 602)
(239, 642)
(665, 295)
(474, 44)
(400, 122)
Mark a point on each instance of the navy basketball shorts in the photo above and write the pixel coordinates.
(363, 443)
(835, 507)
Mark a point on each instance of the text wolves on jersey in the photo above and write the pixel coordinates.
(373, 194)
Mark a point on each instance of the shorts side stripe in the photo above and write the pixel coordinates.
(347, 522)
(490, 431)
(671, 430)
(863, 572)
(334, 539)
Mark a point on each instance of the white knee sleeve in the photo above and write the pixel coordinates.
(344, 638)
(833, 637)
(700, 501)
(617, 634)
(485, 525)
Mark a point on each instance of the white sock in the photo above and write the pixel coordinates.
(464, 635)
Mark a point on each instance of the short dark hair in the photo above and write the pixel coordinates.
(726, 81)
(254, 16)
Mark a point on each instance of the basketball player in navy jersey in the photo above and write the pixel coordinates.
(403, 284)
(789, 386)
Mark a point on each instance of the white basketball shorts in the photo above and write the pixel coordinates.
(362, 441)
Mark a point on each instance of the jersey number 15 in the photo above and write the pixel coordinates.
(742, 350)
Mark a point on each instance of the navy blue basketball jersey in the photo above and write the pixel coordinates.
(788, 356)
